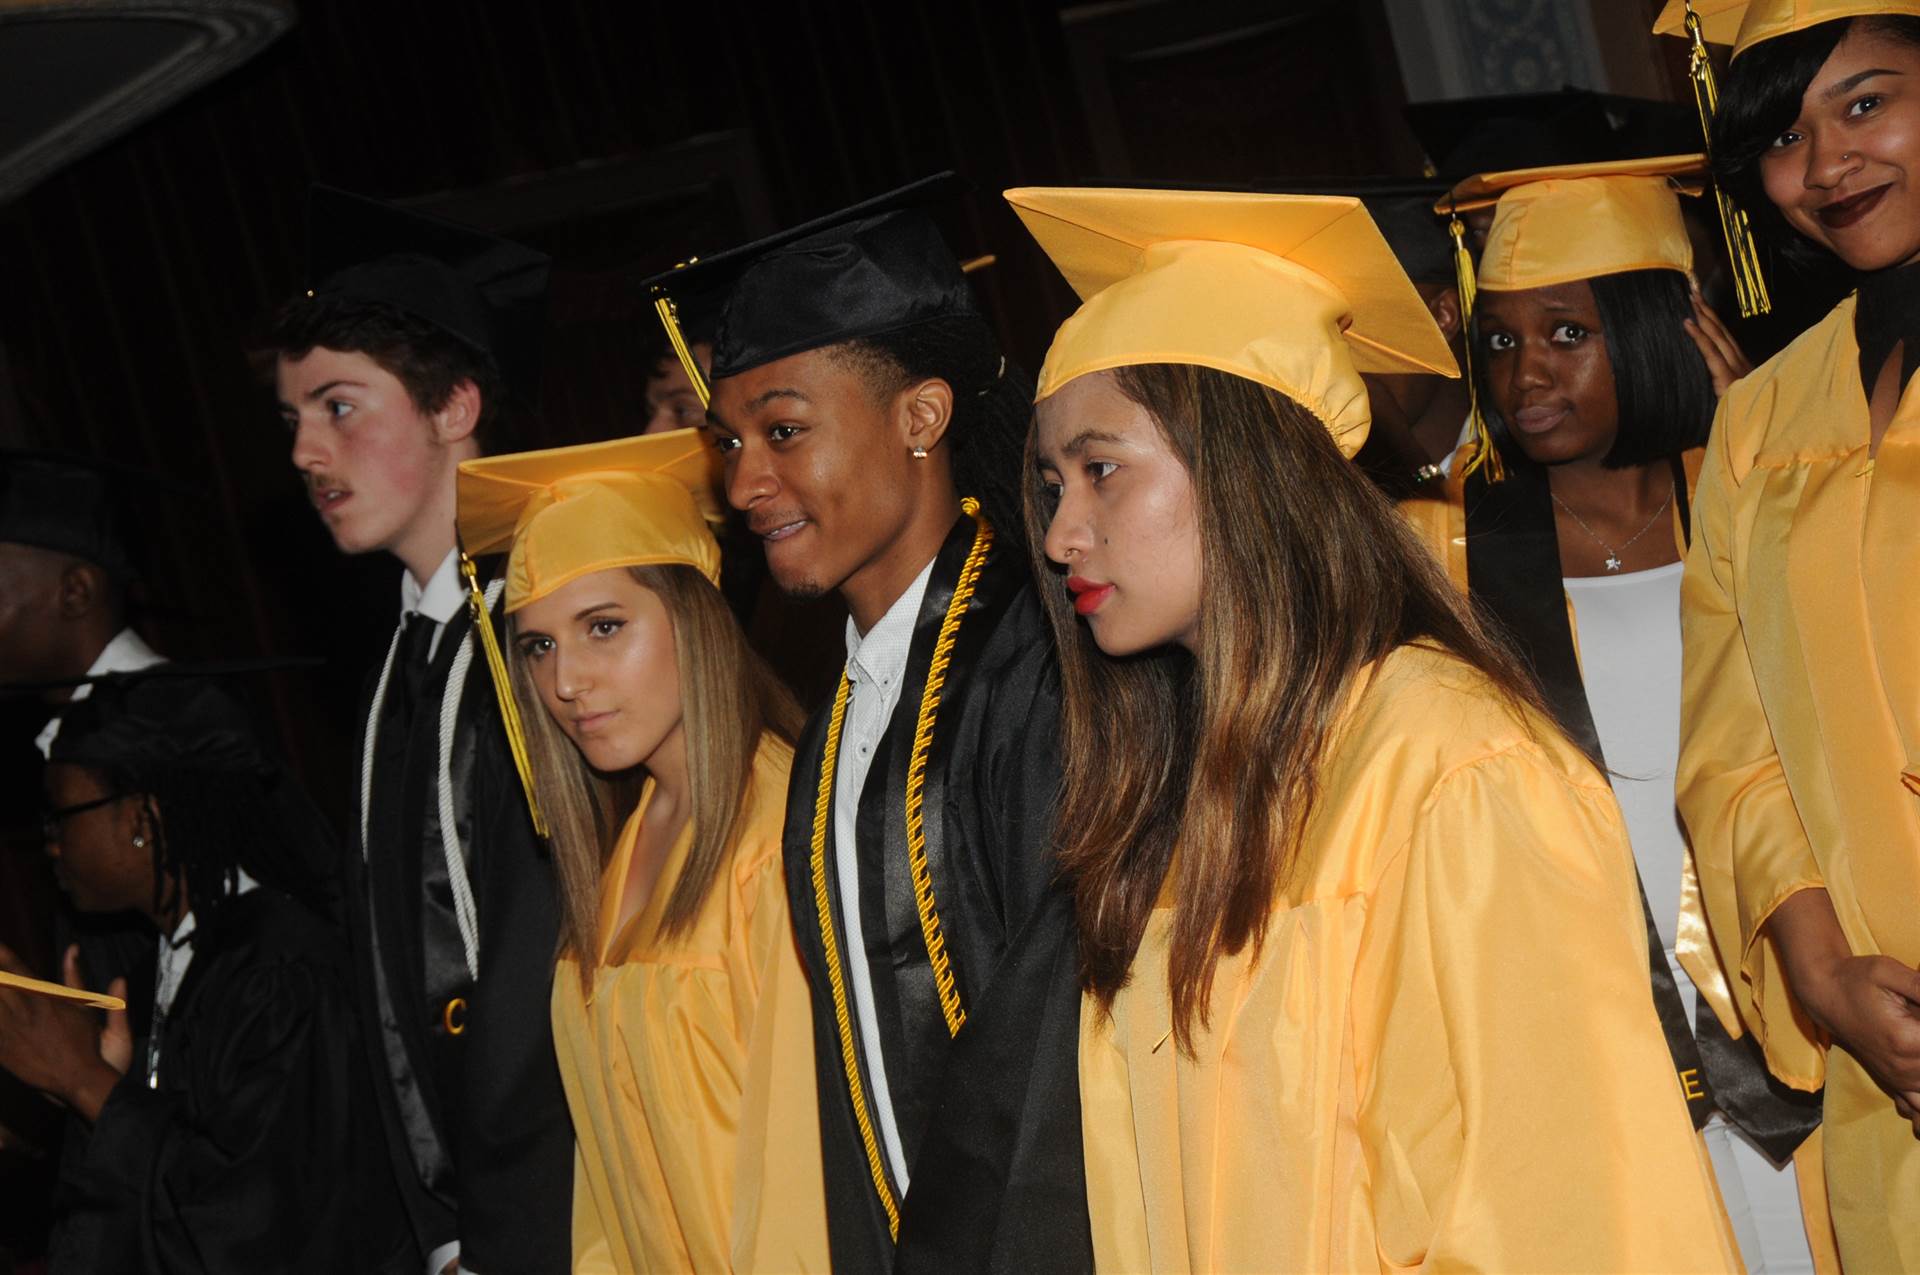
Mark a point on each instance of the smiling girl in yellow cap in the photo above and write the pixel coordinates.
(1799, 773)
(659, 748)
(1365, 963)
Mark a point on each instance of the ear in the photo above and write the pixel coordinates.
(1444, 305)
(925, 410)
(82, 589)
(459, 417)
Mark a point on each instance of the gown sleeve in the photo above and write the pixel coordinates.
(779, 1203)
(1750, 849)
(1517, 1107)
(592, 1254)
(219, 1177)
(513, 1151)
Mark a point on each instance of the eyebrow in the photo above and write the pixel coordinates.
(1078, 443)
(315, 395)
(584, 612)
(765, 397)
(1853, 82)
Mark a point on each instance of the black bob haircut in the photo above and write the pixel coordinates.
(429, 361)
(1660, 381)
(1759, 98)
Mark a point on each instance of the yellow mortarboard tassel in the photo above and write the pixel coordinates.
(1484, 452)
(670, 320)
(1749, 284)
(503, 690)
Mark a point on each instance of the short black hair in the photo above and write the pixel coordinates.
(1759, 98)
(992, 403)
(1660, 381)
(430, 362)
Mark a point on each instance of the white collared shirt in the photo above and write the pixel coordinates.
(440, 599)
(876, 669)
(126, 653)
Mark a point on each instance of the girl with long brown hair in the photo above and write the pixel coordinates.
(659, 746)
(1361, 940)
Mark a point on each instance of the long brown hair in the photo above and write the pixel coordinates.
(1307, 576)
(729, 698)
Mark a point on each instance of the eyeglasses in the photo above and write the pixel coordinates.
(51, 820)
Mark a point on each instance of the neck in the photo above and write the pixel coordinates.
(1602, 495)
(83, 654)
(168, 918)
(1436, 430)
(429, 535)
(672, 789)
(871, 591)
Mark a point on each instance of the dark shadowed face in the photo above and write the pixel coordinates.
(817, 463)
(30, 631)
(1846, 172)
(92, 842)
(1548, 369)
(672, 402)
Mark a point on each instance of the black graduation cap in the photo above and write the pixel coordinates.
(488, 292)
(876, 267)
(170, 720)
(65, 504)
(1464, 136)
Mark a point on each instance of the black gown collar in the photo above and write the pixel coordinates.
(1888, 312)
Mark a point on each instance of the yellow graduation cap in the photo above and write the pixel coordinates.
(1577, 221)
(567, 511)
(1745, 23)
(1297, 292)
(564, 512)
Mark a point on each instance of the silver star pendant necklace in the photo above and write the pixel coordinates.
(1612, 562)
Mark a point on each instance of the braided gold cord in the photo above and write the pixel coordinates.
(963, 589)
(503, 690)
(822, 809)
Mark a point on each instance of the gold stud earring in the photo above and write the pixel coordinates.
(919, 453)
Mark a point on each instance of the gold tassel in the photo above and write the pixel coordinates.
(502, 689)
(1749, 284)
(670, 320)
(1484, 452)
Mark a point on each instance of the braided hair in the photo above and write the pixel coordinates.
(992, 405)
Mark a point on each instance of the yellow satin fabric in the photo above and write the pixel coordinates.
(1800, 745)
(1445, 1057)
(689, 1072)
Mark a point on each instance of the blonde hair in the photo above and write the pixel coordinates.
(729, 698)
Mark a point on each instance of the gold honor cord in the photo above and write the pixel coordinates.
(1749, 283)
(963, 592)
(1484, 452)
(503, 690)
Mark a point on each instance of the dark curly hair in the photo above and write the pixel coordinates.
(430, 362)
(1759, 98)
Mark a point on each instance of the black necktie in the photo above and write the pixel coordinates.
(411, 661)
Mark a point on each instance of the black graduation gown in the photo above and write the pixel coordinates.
(258, 1150)
(1513, 575)
(989, 1119)
(476, 1122)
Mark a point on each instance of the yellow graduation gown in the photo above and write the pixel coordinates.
(1800, 738)
(689, 1070)
(1445, 1057)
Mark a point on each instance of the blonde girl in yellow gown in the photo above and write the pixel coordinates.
(659, 747)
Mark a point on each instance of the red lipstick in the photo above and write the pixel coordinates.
(1087, 595)
(1842, 213)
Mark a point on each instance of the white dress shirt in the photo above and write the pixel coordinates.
(126, 653)
(440, 599)
(876, 668)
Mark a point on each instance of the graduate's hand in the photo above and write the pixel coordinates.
(53, 1045)
(116, 1038)
(1726, 362)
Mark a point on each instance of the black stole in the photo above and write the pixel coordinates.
(1513, 573)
